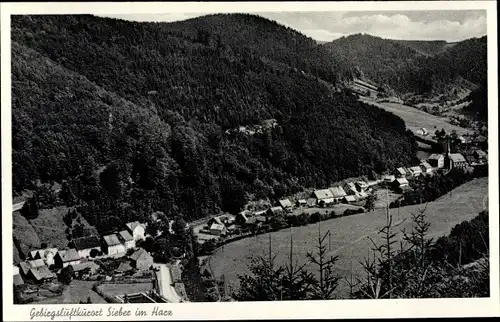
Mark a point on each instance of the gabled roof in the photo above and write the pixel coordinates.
(217, 220)
(244, 216)
(69, 255)
(311, 201)
(111, 240)
(457, 157)
(125, 235)
(41, 272)
(86, 242)
(401, 170)
(302, 201)
(133, 225)
(140, 254)
(217, 227)
(436, 156)
(25, 267)
(390, 178)
(338, 192)
(416, 169)
(285, 203)
(323, 194)
(402, 181)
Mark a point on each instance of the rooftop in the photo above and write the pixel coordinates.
(125, 235)
(457, 157)
(323, 194)
(69, 255)
(338, 192)
(285, 203)
(112, 240)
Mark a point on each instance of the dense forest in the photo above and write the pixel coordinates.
(131, 117)
(418, 67)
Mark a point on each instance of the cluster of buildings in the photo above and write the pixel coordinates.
(41, 264)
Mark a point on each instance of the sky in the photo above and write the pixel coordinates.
(450, 25)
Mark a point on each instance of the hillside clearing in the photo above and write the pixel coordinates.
(416, 119)
(349, 235)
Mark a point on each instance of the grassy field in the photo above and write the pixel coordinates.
(74, 293)
(121, 289)
(349, 235)
(416, 119)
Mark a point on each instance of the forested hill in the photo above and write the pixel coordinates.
(131, 118)
(413, 66)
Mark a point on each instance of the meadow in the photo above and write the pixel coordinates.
(349, 235)
(416, 119)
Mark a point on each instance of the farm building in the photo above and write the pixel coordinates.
(136, 229)
(127, 239)
(322, 194)
(338, 192)
(66, 257)
(350, 188)
(456, 161)
(401, 182)
(41, 274)
(415, 171)
(436, 160)
(401, 172)
(361, 185)
(285, 204)
(85, 245)
(480, 155)
(217, 229)
(113, 246)
(301, 203)
(349, 199)
(426, 167)
(274, 211)
(255, 221)
(141, 259)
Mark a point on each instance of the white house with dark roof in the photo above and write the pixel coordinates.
(137, 230)
(426, 167)
(436, 160)
(67, 257)
(457, 161)
(85, 245)
(415, 171)
(113, 246)
(127, 239)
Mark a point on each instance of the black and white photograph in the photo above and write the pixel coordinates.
(249, 156)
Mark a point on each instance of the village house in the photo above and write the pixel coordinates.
(47, 255)
(480, 155)
(66, 257)
(301, 203)
(401, 172)
(338, 193)
(141, 259)
(426, 167)
(242, 217)
(415, 171)
(401, 183)
(85, 245)
(24, 268)
(361, 185)
(275, 211)
(456, 161)
(217, 229)
(255, 221)
(126, 239)
(113, 246)
(311, 202)
(285, 204)
(436, 160)
(389, 178)
(324, 196)
(41, 274)
(36, 263)
(137, 230)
